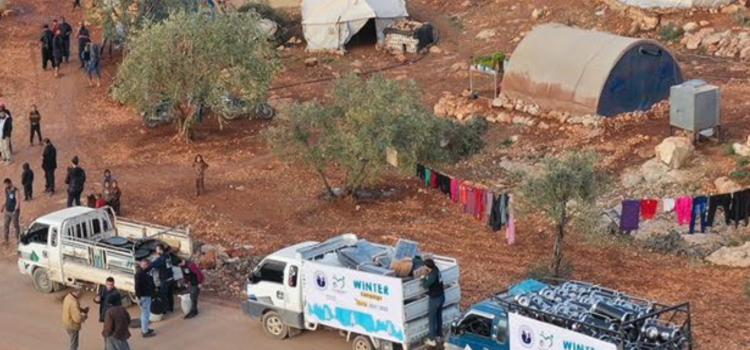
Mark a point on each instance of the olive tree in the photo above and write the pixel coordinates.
(119, 19)
(363, 121)
(193, 62)
(564, 182)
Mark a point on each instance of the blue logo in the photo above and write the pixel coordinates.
(320, 280)
(527, 336)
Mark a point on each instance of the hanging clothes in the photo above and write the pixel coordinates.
(684, 208)
(420, 171)
(510, 229)
(444, 183)
(427, 176)
(714, 202)
(433, 179)
(740, 206)
(499, 216)
(489, 198)
(479, 198)
(700, 209)
(667, 204)
(463, 195)
(454, 190)
(630, 216)
(648, 208)
(471, 201)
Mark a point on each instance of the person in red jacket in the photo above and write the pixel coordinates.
(193, 277)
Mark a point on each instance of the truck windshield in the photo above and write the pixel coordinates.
(271, 271)
(476, 325)
(37, 233)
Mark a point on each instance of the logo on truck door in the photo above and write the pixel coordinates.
(527, 336)
(320, 280)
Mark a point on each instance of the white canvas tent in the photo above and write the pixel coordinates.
(675, 3)
(330, 24)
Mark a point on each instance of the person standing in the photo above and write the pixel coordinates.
(200, 166)
(144, 291)
(104, 294)
(194, 277)
(73, 316)
(107, 176)
(116, 323)
(49, 164)
(114, 196)
(76, 181)
(76, 3)
(83, 39)
(66, 30)
(6, 125)
(46, 40)
(11, 210)
(93, 65)
(27, 180)
(435, 290)
(58, 48)
(35, 123)
(163, 264)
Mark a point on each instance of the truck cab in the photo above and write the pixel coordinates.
(483, 327)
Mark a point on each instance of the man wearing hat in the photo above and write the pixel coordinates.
(75, 180)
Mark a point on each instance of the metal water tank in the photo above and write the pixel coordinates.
(694, 106)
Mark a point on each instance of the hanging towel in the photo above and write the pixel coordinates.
(700, 208)
(471, 201)
(714, 202)
(740, 206)
(648, 208)
(510, 230)
(499, 216)
(433, 179)
(444, 183)
(463, 193)
(454, 190)
(489, 198)
(684, 208)
(668, 204)
(479, 198)
(629, 218)
(427, 176)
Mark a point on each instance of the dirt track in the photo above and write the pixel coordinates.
(31, 320)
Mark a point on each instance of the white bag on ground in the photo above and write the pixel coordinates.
(185, 303)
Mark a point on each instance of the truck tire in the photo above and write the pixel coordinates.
(42, 282)
(361, 342)
(273, 325)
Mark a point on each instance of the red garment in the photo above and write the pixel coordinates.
(648, 208)
(433, 179)
(99, 203)
(480, 200)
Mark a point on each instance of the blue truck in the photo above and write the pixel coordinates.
(570, 315)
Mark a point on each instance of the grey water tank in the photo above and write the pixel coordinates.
(694, 106)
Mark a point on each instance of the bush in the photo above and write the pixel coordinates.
(670, 32)
(673, 243)
(543, 270)
(740, 174)
(742, 20)
(266, 11)
(457, 22)
(462, 140)
(729, 149)
(742, 162)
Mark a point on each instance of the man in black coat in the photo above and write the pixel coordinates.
(58, 47)
(49, 164)
(75, 180)
(144, 291)
(163, 264)
(46, 40)
(7, 130)
(67, 30)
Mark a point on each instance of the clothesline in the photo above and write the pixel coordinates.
(481, 202)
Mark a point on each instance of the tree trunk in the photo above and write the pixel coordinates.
(559, 243)
(319, 170)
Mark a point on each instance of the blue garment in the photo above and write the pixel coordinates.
(163, 264)
(435, 309)
(700, 209)
(145, 304)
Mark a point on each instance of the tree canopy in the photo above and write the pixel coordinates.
(570, 179)
(363, 122)
(120, 19)
(197, 62)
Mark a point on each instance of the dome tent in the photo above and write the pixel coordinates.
(330, 24)
(589, 72)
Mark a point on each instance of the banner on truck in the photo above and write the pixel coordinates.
(355, 301)
(529, 334)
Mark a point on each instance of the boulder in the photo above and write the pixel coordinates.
(459, 66)
(731, 256)
(726, 185)
(435, 50)
(486, 34)
(311, 62)
(690, 27)
(537, 14)
(741, 149)
(504, 118)
(675, 151)
(694, 42)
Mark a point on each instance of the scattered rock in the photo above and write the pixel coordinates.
(435, 50)
(741, 150)
(208, 260)
(9, 13)
(653, 171)
(675, 151)
(504, 118)
(459, 66)
(731, 256)
(311, 62)
(486, 34)
(690, 27)
(704, 23)
(733, 8)
(726, 185)
(631, 180)
(537, 14)
(466, 3)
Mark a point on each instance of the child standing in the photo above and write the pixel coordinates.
(27, 180)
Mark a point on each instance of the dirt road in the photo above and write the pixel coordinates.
(31, 320)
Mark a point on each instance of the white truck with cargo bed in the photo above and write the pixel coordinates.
(81, 247)
(306, 286)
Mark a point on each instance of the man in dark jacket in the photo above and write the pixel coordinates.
(46, 40)
(83, 39)
(27, 180)
(116, 323)
(49, 164)
(75, 180)
(66, 30)
(7, 130)
(144, 291)
(163, 265)
(104, 294)
(11, 210)
(58, 48)
(435, 290)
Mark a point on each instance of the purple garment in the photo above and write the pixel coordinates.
(489, 197)
(631, 211)
(471, 205)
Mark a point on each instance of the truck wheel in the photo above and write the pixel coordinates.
(42, 282)
(361, 342)
(273, 326)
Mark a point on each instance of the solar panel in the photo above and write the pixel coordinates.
(406, 249)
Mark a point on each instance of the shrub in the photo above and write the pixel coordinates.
(670, 32)
(457, 22)
(673, 243)
(740, 174)
(729, 149)
(742, 162)
(742, 19)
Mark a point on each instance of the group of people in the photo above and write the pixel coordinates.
(115, 318)
(109, 196)
(55, 43)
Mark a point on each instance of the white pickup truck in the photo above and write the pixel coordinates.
(307, 285)
(81, 247)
